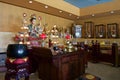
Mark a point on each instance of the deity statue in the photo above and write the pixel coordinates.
(33, 28)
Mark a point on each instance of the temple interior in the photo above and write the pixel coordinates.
(59, 39)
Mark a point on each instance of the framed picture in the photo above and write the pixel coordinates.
(88, 29)
(100, 31)
(112, 30)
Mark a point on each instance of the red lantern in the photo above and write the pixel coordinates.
(43, 36)
(67, 36)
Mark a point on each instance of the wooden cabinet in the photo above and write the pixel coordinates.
(67, 66)
(100, 31)
(88, 29)
(77, 31)
(112, 30)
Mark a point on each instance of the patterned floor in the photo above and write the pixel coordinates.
(104, 71)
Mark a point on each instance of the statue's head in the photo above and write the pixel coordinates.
(33, 19)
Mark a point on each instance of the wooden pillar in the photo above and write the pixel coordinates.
(95, 52)
(115, 54)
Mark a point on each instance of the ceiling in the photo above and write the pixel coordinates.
(86, 3)
(52, 10)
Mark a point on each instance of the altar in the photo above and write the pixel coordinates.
(66, 66)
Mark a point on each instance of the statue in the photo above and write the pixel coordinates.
(32, 28)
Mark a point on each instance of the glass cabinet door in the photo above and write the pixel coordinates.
(112, 30)
(100, 31)
(77, 31)
(88, 29)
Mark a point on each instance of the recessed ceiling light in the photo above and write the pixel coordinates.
(93, 14)
(78, 17)
(70, 14)
(60, 11)
(46, 6)
(30, 1)
(111, 12)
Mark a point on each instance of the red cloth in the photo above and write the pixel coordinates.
(17, 61)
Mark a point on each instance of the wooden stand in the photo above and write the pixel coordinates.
(17, 71)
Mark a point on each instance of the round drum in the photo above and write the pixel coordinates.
(17, 50)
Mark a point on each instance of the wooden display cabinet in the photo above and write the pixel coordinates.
(112, 30)
(100, 31)
(88, 29)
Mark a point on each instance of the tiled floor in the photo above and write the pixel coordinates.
(104, 71)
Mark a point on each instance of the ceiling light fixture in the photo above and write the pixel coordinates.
(46, 6)
(78, 17)
(111, 12)
(30, 1)
(93, 14)
(70, 14)
(60, 11)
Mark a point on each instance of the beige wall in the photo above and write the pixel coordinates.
(101, 8)
(11, 18)
(11, 21)
(102, 20)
